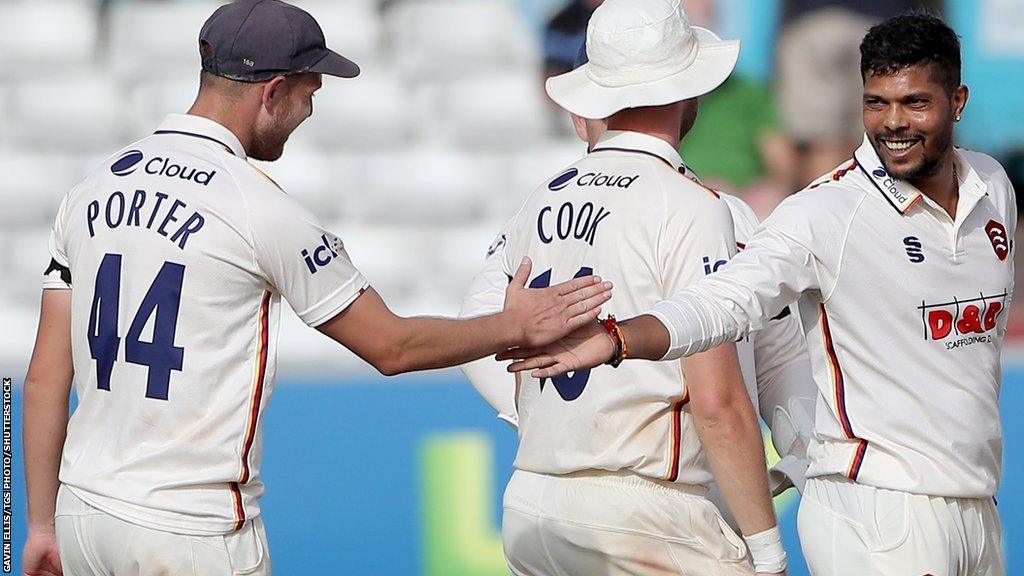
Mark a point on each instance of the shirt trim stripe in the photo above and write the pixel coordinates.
(236, 497)
(194, 135)
(858, 459)
(257, 394)
(677, 424)
(680, 169)
(839, 389)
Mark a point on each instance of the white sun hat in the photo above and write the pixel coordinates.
(643, 53)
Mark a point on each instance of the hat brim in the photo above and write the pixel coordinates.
(334, 64)
(715, 61)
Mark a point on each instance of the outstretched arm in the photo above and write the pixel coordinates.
(754, 286)
(394, 345)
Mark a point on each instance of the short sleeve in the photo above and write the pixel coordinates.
(486, 294)
(57, 275)
(305, 262)
(697, 238)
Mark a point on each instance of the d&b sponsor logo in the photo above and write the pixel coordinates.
(129, 162)
(972, 319)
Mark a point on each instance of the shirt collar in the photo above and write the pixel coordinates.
(635, 142)
(203, 128)
(903, 195)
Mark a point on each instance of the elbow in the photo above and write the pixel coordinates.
(389, 368)
(392, 361)
(723, 411)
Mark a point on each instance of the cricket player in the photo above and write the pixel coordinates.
(774, 361)
(163, 301)
(902, 261)
(613, 468)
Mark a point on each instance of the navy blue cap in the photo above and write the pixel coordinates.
(256, 40)
(581, 56)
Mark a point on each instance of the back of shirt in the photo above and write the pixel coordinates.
(623, 212)
(178, 251)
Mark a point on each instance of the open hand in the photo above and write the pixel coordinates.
(543, 315)
(586, 347)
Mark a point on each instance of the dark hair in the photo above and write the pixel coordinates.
(910, 39)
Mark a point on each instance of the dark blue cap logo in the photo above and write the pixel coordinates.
(126, 164)
(879, 173)
(563, 179)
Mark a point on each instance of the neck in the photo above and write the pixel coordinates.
(941, 186)
(663, 122)
(228, 114)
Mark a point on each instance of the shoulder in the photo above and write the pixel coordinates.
(997, 181)
(743, 217)
(824, 209)
(988, 168)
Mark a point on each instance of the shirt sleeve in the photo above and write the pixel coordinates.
(695, 238)
(486, 295)
(57, 275)
(777, 266)
(305, 262)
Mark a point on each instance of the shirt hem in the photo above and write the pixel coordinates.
(187, 527)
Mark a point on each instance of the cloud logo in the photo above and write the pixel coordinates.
(879, 173)
(127, 163)
(563, 179)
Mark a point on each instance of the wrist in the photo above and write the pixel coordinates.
(41, 528)
(510, 330)
(620, 350)
(766, 551)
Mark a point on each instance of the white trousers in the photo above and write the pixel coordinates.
(94, 543)
(615, 524)
(849, 529)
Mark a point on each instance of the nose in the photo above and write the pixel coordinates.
(895, 119)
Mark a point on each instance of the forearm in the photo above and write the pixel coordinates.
(427, 343)
(694, 323)
(732, 442)
(45, 420)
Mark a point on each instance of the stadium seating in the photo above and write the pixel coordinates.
(352, 28)
(150, 39)
(79, 113)
(46, 37)
(32, 186)
(497, 109)
(371, 111)
(446, 38)
(415, 164)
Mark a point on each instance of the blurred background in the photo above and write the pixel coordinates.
(416, 164)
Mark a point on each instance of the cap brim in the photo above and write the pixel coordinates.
(334, 64)
(577, 93)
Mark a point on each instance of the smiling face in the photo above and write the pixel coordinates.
(909, 115)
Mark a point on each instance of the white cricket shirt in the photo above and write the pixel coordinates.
(904, 310)
(626, 213)
(179, 251)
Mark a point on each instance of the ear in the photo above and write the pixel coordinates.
(580, 125)
(272, 93)
(960, 97)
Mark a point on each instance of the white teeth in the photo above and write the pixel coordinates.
(898, 146)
